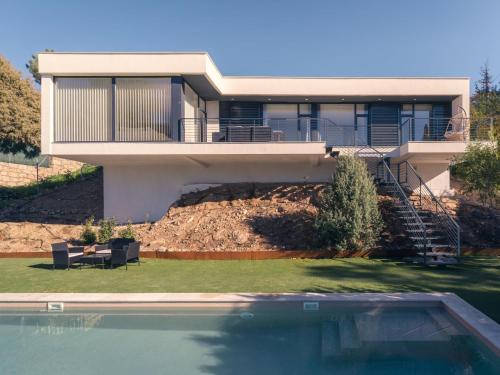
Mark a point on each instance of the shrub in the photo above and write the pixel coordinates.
(128, 231)
(348, 216)
(88, 235)
(479, 169)
(106, 230)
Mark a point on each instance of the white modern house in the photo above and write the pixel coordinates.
(163, 123)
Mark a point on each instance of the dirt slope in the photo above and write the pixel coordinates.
(54, 216)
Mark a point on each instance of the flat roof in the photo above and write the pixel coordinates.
(239, 76)
(200, 71)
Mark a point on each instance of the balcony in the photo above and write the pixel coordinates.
(246, 130)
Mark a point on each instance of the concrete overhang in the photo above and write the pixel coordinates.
(200, 71)
(430, 152)
(202, 154)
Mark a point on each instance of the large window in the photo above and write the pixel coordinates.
(82, 109)
(142, 109)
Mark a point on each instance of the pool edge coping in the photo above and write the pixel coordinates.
(479, 323)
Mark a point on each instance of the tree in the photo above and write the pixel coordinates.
(19, 112)
(479, 169)
(348, 215)
(32, 66)
(485, 106)
(485, 85)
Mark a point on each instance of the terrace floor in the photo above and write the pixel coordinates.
(477, 279)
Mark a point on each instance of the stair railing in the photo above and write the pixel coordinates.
(427, 201)
(413, 221)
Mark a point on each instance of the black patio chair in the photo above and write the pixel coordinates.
(63, 255)
(121, 257)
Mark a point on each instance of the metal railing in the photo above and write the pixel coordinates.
(385, 177)
(308, 129)
(433, 129)
(300, 129)
(458, 129)
(483, 128)
(427, 201)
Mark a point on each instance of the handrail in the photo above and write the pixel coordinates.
(453, 233)
(401, 195)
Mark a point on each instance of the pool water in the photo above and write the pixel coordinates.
(246, 340)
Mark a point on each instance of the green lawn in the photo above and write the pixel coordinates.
(477, 280)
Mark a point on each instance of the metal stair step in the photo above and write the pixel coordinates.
(437, 253)
(428, 238)
(431, 245)
(429, 230)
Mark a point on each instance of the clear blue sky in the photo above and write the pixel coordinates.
(253, 37)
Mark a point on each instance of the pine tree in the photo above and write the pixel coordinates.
(485, 107)
(19, 112)
(348, 217)
(485, 85)
(32, 66)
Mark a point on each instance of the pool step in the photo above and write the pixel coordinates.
(330, 339)
(349, 338)
(445, 323)
(398, 327)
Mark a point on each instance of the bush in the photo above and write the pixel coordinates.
(479, 169)
(106, 229)
(128, 231)
(88, 235)
(348, 216)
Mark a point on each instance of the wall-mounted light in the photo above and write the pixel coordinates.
(268, 99)
(306, 99)
(379, 99)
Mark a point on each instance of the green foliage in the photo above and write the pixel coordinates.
(106, 230)
(88, 235)
(32, 66)
(348, 216)
(485, 105)
(479, 169)
(9, 194)
(128, 231)
(19, 112)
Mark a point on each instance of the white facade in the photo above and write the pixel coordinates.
(161, 122)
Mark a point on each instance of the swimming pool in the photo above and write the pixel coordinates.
(245, 334)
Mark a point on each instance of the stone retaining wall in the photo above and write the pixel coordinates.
(20, 174)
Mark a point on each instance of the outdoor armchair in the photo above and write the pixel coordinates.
(63, 255)
(127, 253)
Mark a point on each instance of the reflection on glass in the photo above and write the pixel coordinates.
(421, 125)
(362, 132)
(361, 109)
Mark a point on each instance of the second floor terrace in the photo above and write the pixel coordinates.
(95, 102)
(169, 110)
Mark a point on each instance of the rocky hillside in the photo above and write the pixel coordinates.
(230, 217)
(235, 217)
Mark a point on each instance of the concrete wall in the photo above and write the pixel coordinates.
(19, 174)
(146, 192)
(436, 176)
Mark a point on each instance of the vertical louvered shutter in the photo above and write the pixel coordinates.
(82, 109)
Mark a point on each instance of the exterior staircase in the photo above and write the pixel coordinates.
(428, 224)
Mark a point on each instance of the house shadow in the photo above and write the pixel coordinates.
(479, 224)
(65, 203)
(286, 231)
(292, 192)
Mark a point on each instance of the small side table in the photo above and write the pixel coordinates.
(96, 259)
